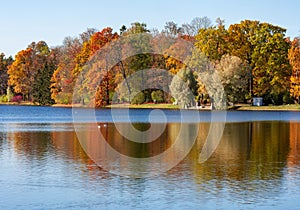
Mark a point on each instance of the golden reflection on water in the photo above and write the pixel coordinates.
(247, 151)
(257, 150)
(294, 154)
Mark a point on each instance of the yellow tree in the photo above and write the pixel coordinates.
(21, 73)
(212, 41)
(239, 39)
(240, 45)
(294, 58)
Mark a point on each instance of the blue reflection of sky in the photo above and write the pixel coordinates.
(39, 118)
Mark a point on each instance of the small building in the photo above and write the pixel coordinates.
(257, 101)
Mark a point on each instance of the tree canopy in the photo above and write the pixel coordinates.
(251, 59)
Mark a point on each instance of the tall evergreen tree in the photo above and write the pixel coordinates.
(41, 86)
(4, 63)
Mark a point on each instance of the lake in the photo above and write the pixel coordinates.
(44, 165)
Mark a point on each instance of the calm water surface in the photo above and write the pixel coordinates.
(43, 166)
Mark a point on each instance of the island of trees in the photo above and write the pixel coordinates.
(252, 59)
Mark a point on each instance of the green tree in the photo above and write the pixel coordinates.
(234, 74)
(184, 88)
(137, 39)
(41, 87)
(138, 98)
(157, 96)
(4, 63)
(271, 69)
(265, 48)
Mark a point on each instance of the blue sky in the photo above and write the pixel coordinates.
(32, 20)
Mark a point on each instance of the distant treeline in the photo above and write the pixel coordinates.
(252, 59)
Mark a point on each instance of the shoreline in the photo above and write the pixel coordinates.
(238, 107)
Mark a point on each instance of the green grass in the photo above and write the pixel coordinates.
(240, 107)
(145, 106)
(289, 107)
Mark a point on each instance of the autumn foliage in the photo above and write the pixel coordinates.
(252, 59)
(294, 58)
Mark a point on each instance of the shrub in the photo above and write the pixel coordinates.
(17, 99)
(158, 96)
(64, 98)
(139, 98)
(173, 100)
(3, 99)
(147, 94)
(287, 99)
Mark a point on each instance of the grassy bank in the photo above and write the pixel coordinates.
(239, 107)
(288, 107)
(26, 103)
(145, 106)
